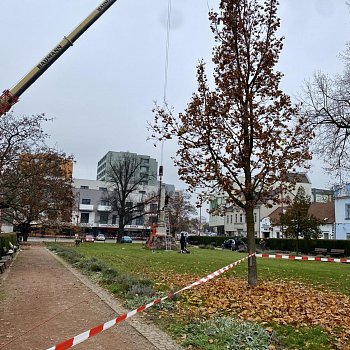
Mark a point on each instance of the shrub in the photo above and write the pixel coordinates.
(5, 239)
(227, 333)
(92, 264)
(69, 255)
(142, 287)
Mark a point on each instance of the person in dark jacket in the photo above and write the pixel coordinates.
(183, 241)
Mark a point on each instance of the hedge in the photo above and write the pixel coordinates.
(5, 239)
(284, 245)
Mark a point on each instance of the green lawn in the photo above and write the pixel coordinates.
(133, 259)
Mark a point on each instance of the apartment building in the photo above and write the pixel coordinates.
(94, 214)
(147, 169)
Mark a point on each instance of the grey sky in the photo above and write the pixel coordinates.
(101, 91)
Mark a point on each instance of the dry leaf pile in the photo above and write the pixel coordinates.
(280, 302)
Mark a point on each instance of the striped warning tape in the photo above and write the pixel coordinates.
(304, 257)
(69, 343)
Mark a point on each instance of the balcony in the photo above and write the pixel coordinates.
(86, 207)
(104, 208)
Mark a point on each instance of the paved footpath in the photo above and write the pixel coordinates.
(43, 301)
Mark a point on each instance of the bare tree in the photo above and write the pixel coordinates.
(326, 103)
(180, 212)
(244, 136)
(128, 197)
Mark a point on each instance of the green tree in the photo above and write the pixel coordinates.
(243, 136)
(297, 220)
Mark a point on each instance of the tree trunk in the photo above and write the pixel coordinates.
(252, 266)
(120, 233)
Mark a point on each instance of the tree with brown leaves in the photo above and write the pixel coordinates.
(180, 212)
(243, 136)
(43, 195)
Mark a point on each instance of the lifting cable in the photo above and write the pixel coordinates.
(166, 66)
(165, 86)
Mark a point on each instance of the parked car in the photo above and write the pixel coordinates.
(235, 243)
(100, 237)
(229, 244)
(126, 239)
(89, 238)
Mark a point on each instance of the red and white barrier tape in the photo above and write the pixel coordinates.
(309, 258)
(69, 343)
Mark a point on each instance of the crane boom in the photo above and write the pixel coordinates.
(11, 96)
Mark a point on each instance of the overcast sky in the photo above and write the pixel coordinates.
(101, 91)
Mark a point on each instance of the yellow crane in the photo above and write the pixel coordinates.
(9, 97)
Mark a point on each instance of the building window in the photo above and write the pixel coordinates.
(114, 219)
(347, 211)
(84, 218)
(128, 204)
(227, 219)
(86, 201)
(104, 202)
(102, 188)
(348, 236)
(254, 217)
(231, 218)
(153, 207)
(240, 217)
(104, 218)
(139, 221)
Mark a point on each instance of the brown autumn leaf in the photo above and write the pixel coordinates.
(280, 302)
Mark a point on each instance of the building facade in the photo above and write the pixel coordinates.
(342, 211)
(324, 212)
(147, 166)
(232, 221)
(94, 214)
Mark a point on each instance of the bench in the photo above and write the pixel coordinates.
(322, 251)
(7, 252)
(337, 252)
(6, 260)
(2, 267)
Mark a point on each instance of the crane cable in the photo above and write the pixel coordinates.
(166, 66)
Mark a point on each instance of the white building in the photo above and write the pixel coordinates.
(232, 222)
(93, 211)
(342, 211)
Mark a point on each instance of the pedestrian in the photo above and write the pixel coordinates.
(77, 240)
(233, 244)
(183, 241)
(262, 244)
